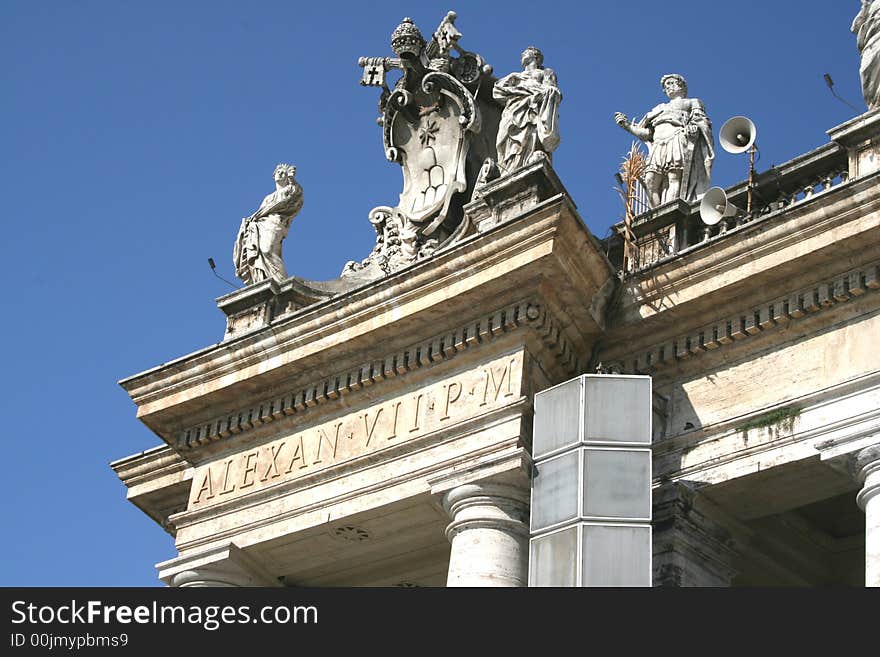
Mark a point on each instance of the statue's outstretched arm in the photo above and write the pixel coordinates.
(640, 130)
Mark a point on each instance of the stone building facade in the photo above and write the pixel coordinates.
(379, 433)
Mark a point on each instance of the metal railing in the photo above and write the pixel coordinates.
(665, 231)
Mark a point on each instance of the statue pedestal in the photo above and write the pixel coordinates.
(512, 195)
(249, 308)
(861, 139)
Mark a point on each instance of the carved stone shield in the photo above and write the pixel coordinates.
(426, 132)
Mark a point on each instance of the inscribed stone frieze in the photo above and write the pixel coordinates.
(400, 419)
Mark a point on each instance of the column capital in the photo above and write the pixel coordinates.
(227, 565)
(511, 466)
(865, 458)
(866, 468)
(487, 505)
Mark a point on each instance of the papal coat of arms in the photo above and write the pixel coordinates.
(432, 123)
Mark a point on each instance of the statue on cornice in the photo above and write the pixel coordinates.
(866, 27)
(529, 128)
(680, 144)
(257, 252)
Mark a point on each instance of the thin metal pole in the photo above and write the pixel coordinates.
(751, 179)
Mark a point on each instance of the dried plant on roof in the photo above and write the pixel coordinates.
(632, 171)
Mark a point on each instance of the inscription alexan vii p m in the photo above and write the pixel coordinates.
(403, 418)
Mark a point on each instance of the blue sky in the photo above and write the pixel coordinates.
(136, 135)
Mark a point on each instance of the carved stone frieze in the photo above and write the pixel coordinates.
(439, 348)
(776, 313)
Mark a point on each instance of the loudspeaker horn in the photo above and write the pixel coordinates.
(714, 207)
(737, 134)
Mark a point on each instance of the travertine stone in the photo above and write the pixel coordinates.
(224, 566)
(761, 342)
(690, 548)
(861, 139)
(158, 482)
(681, 147)
(264, 418)
(790, 298)
(511, 196)
(529, 128)
(250, 308)
(311, 449)
(489, 534)
(868, 469)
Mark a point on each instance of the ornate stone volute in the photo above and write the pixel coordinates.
(439, 128)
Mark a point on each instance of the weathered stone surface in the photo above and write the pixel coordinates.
(224, 566)
(510, 196)
(690, 548)
(860, 138)
(392, 423)
(489, 534)
(263, 419)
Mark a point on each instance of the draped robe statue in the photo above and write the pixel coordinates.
(866, 27)
(529, 129)
(257, 252)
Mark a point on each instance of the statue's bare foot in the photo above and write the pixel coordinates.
(537, 156)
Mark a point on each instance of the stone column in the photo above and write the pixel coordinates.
(489, 533)
(690, 549)
(867, 467)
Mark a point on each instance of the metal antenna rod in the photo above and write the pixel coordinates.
(830, 84)
(214, 269)
(751, 178)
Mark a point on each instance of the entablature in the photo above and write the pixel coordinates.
(545, 256)
(829, 236)
(158, 482)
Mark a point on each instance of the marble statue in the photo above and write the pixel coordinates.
(866, 27)
(680, 144)
(529, 128)
(257, 252)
